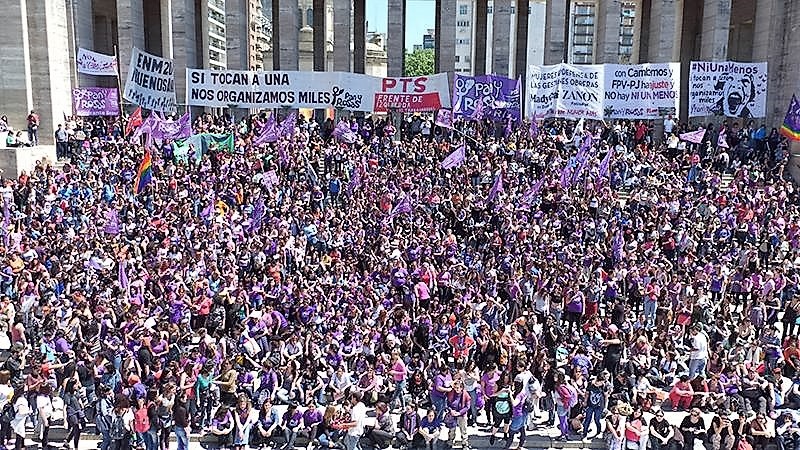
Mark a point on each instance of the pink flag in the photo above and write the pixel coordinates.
(694, 137)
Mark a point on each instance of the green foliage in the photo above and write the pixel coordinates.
(419, 62)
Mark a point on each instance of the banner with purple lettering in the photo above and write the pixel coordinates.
(500, 96)
(95, 101)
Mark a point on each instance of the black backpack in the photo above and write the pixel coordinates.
(118, 430)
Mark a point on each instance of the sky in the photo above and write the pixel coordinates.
(420, 16)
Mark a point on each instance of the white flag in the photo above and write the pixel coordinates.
(93, 63)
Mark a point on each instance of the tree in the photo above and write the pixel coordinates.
(419, 62)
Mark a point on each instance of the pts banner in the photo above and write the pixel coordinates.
(348, 91)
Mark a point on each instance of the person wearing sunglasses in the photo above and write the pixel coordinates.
(661, 432)
(693, 429)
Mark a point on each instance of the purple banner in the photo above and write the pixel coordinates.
(95, 101)
(500, 96)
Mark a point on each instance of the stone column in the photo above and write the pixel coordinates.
(50, 70)
(81, 32)
(166, 29)
(445, 40)
(775, 43)
(17, 98)
(342, 33)
(289, 29)
(130, 33)
(716, 28)
(501, 31)
(555, 32)
(666, 17)
(606, 42)
(319, 35)
(521, 43)
(396, 38)
(479, 39)
(359, 36)
(184, 38)
(237, 34)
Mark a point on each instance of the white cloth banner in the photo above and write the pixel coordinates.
(151, 82)
(340, 90)
(566, 91)
(641, 91)
(93, 63)
(727, 88)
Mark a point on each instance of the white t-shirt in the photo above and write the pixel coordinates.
(699, 346)
(669, 124)
(357, 415)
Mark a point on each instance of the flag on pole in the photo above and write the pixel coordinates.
(402, 207)
(444, 118)
(269, 133)
(534, 130)
(528, 197)
(791, 123)
(257, 216)
(343, 133)
(456, 158)
(134, 121)
(122, 275)
(144, 175)
(694, 137)
(287, 126)
(497, 187)
(605, 164)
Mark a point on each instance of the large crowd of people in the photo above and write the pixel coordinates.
(586, 277)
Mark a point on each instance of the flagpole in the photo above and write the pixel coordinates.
(122, 121)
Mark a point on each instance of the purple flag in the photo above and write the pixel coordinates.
(529, 196)
(355, 181)
(694, 137)
(269, 132)
(565, 178)
(605, 164)
(257, 216)
(112, 222)
(122, 275)
(616, 245)
(283, 157)
(497, 187)
(403, 207)
(444, 118)
(343, 133)
(791, 122)
(208, 209)
(287, 127)
(534, 130)
(456, 158)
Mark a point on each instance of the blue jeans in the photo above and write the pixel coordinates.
(439, 405)
(182, 438)
(592, 412)
(650, 313)
(696, 367)
(150, 438)
(351, 442)
(399, 390)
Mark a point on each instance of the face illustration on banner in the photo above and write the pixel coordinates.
(738, 95)
(470, 90)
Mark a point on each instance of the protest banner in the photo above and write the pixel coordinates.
(95, 101)
(348, 91)
(566, 91)
(151, 82)
(93, 63)
(727, 88)
(500, 96)
(641, 91)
